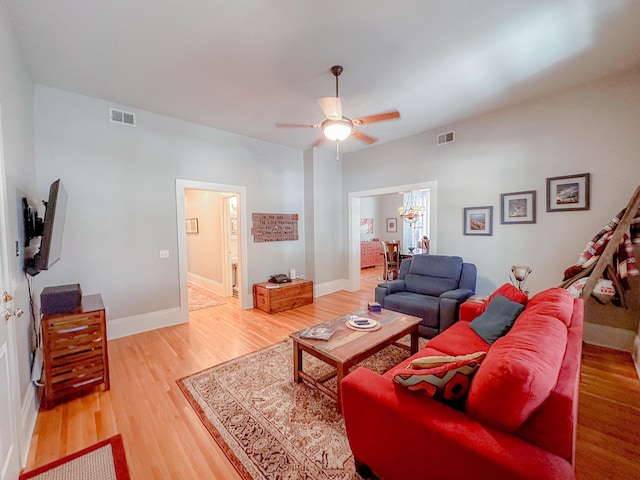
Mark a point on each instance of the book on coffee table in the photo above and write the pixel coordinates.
(319, 332)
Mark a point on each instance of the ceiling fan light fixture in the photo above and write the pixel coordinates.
(337, 130)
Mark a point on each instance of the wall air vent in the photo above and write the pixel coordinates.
(445, 138)
(120, 116)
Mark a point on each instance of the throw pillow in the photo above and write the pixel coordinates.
(497, 319)
(448, 382)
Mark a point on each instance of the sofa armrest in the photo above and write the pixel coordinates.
(401, 434)
(459, 294)
(387, 288)
(470, 310)
(450, 306)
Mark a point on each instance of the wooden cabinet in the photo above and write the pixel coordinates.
(370, 254)
(75, 351)
(278, 297)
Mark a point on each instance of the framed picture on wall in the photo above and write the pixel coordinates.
(478, 221)
(518, 207)
(392, 225)
(191, 225)
(567, 193)
(366, 225)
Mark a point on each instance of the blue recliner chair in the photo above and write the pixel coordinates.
(431, 287)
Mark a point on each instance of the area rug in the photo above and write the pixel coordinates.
(270, 427)
(105, 460)
(199, 300)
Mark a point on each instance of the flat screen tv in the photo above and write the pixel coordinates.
(50, 230)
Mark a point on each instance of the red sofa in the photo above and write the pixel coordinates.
(520, 416)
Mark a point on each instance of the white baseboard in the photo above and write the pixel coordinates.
(122, 327)
(604, 336)
(206, 284)
(326, 288)
(28, 417)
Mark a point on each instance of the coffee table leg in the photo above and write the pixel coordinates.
(297, 362)
(414, 341)
(340, 373)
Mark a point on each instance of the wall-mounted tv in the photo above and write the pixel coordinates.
(50, 230)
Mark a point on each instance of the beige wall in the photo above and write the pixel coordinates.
(205, 249)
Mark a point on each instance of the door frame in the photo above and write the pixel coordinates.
(9, 466)
(245, 299)
(354, 222)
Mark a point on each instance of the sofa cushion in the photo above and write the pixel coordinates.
(445, 378)
(458, 339)
(410, 303)
(510, 292)
(426, 351)
(497, 318)
(519, 372)
(472, 309)
(427, 285)
(433, 274)
(556, 302)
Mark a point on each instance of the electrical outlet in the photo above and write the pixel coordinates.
(164, 253)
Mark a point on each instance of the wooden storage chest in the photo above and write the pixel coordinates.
(278, 297)
(75, 351)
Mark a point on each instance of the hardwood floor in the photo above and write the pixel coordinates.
(164, 439)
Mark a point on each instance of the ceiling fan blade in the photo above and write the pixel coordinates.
(319, 141)
(296, 125)
(381, 117)
(363, 137)
(332, 107)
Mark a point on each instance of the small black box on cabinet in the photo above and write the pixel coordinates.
(61, 299)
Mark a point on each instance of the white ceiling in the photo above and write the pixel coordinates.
(243, 65)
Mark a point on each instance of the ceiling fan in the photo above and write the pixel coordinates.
(337, 127)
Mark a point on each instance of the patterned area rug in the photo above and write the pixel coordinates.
(199, 299)
(105, 460)
(268, 426)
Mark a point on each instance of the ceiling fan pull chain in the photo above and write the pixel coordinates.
(337, 150)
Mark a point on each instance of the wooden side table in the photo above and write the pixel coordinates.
(75, 351)
(278, 297)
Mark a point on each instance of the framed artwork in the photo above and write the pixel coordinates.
(366, 225)
(192, 225)
(478, 221)
(518, 207)
(392, 225)
(570, 192)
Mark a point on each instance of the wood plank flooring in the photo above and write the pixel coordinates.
(164, 439)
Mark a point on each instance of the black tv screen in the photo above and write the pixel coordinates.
(52, 230)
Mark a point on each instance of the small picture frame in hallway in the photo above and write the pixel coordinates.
(191, 225)
(392, 225)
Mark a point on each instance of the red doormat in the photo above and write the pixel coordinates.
(105, 460)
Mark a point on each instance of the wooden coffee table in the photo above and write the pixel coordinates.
(346, 347)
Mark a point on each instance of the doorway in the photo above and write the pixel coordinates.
(9, 389)
(354, 222)
(211, 230)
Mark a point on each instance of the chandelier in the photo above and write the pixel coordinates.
(411, 213)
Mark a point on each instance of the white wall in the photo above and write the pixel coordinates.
(327, 223)
(590, 129)
(16, 104)
(122, 200)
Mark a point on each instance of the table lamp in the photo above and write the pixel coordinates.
(520, 273)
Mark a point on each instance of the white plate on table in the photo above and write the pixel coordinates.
(371, 323)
